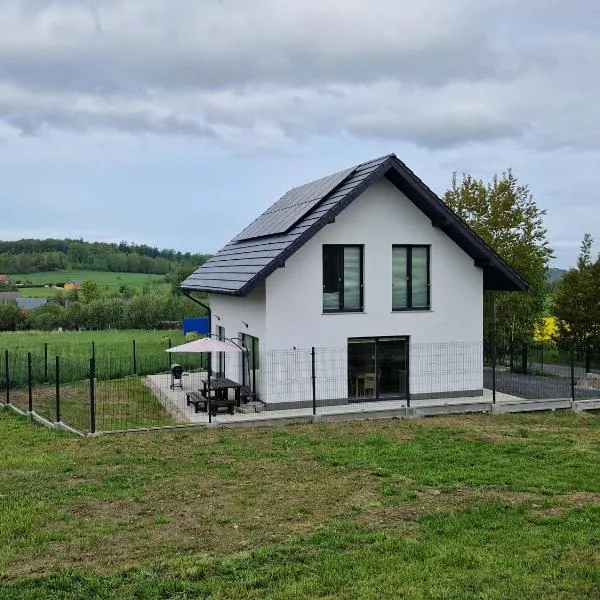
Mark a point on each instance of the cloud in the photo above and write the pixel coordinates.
(260, 76)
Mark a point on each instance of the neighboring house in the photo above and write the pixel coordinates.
(74, 284)
(29, 303)
(372, 269)
(7, 296)
(3, 278)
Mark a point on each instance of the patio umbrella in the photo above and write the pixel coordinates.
(207, 345)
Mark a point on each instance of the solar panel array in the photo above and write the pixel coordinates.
(292, 206)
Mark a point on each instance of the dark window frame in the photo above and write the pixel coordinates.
(340, 267)
(409, 297)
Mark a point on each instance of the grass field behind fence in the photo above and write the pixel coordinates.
(113, 351)
(77, 345)
(456, 507)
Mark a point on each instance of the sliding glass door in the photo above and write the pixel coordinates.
(378, 367)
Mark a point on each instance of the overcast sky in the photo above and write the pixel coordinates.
(176, 122)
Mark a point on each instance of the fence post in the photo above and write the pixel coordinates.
(6, 363)
(134, 358)
(254, 366)
(29, 382)
(542, 357)
(524, 361)
(314, 381)
(45, 361)
(588, 360)
(494, 359)
(93, 350)
(92, 395)
(57, 387)
(169, 357)
(572, 375)
(512, 355)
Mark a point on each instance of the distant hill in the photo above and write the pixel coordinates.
(33, 256)
(555, 275)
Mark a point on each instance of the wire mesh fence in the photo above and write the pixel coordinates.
(111, 393)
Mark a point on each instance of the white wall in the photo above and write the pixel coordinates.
(232, 310)
(379, 218)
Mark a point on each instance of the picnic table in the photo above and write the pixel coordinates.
(217, 395)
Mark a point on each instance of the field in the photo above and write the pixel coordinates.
(77, 345)
(457, 507)
(104, 279)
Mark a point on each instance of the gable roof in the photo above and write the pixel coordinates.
(7, 296)
(28, 303)
(244, 263)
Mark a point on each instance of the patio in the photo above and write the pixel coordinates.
(175, 402)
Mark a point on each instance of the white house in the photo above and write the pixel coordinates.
(369, 267)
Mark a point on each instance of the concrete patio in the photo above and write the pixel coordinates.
(174, 401)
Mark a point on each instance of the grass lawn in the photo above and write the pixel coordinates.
(480, 506)
(105, 279)
(114, 353)
(77, 345)
(40, 292)
(125, 403)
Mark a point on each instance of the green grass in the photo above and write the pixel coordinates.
(484, 506)
(105, 279)
(40, 292)
(113, 351)
(125, 403)
(77, 345)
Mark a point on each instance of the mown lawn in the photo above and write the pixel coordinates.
(482, 506)
(125, 403)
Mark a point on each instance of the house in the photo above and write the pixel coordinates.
(3, 278)
(73, 284)
(373, 270)
(29, 303)
(8, 296)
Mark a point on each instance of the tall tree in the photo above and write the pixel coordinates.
(504, 214)
(576, 302)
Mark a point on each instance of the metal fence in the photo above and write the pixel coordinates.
(107, 394)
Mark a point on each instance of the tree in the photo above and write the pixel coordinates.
(504, 214)
(180, 275)
(89, 290)
(11, 316)
(576, 302)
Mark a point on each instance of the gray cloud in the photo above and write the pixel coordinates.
(261, 75)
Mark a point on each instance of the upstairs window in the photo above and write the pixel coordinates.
(411, 286)
(342, 278)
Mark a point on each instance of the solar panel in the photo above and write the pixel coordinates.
(292, 206)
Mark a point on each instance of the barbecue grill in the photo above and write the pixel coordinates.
(176, 374)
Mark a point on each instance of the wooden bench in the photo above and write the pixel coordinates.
(218, 403)
(198, 399)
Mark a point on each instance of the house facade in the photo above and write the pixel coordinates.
(372, 270)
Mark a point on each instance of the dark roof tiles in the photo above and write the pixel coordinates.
(246, 261)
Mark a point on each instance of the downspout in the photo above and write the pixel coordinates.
(207, 307)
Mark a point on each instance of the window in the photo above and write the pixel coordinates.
(342, 278)
(410, 278)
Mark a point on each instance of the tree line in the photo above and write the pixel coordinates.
(99, 311)
(31, 256)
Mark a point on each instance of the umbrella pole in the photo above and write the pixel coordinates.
(208, 390)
